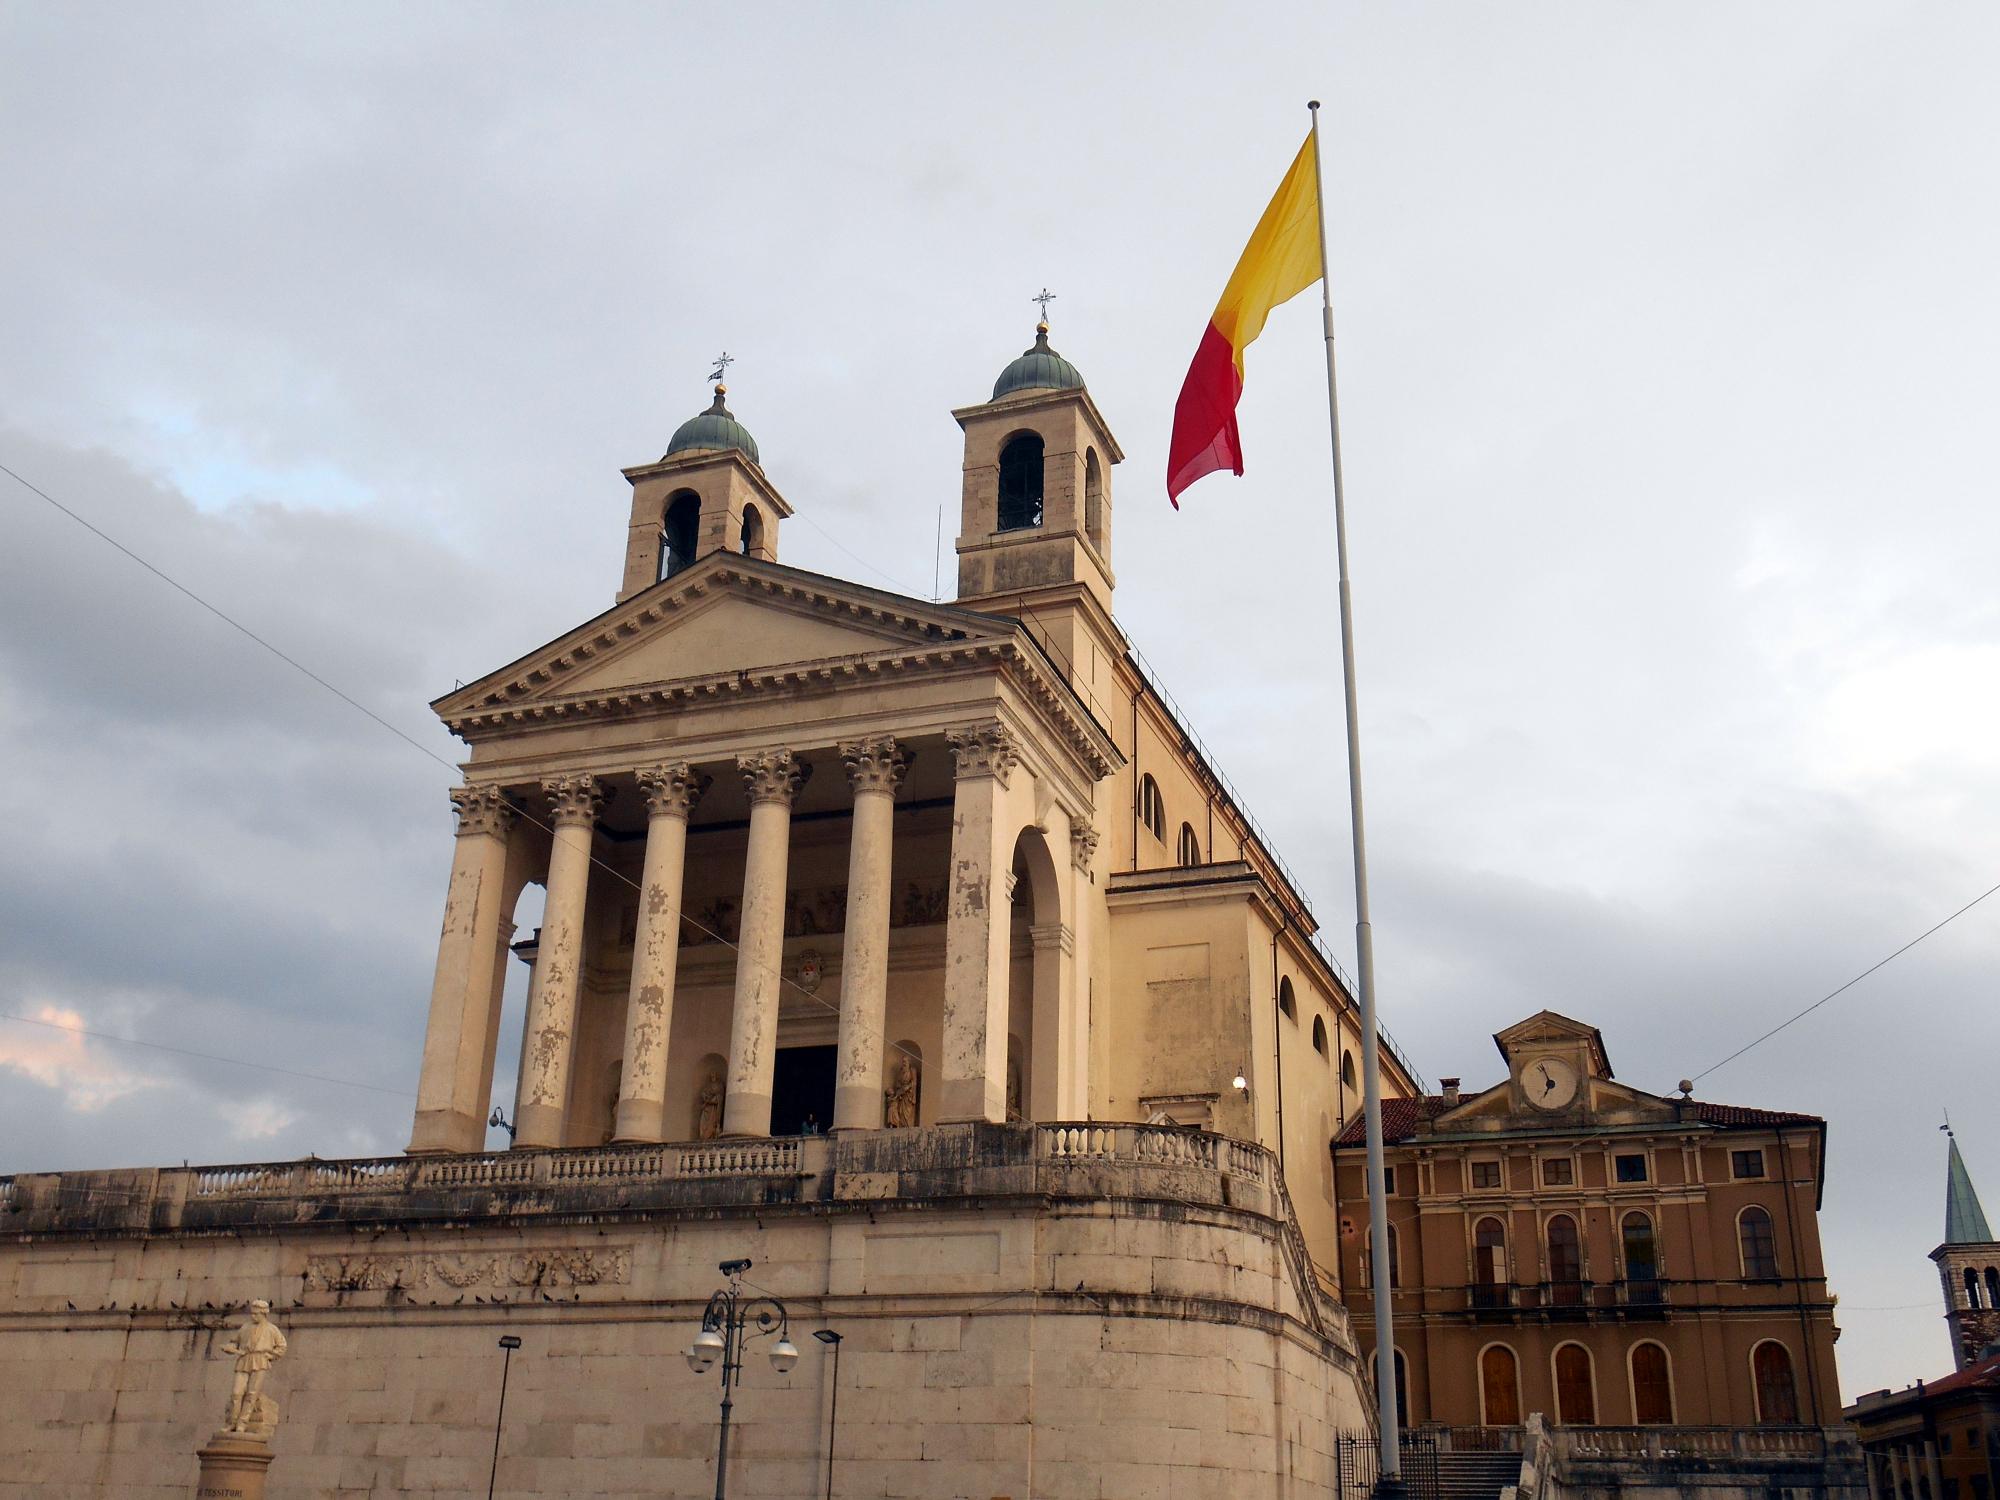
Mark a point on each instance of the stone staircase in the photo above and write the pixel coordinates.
(1479, 1475)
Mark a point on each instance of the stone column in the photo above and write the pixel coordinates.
(973, 1070)
(551, 1038)
(772, 777)
(1931, 1468)
(671, 792)
(874, 768)
(451, 1090)
(1075, 1101)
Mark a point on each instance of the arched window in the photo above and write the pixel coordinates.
(1395, 1261)
(1499, 1387)
(1190, 850)
(1489, 1263)
(1641, 1253)
(1021, 483)
(1347, 1068)
(1289, 1002)
(1319, 1038)
(1971, 1287)
(1565, 1262)
(1777, 1391)
(1993, 1286)
(753, 530)
(678, 530)
(1576, 1397)
(1402, 1391)
(1093, 499)
(1758, 1244)
(1152, 809)
(1652, 1386)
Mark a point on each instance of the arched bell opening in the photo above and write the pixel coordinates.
(1021, 483)
(680, 529)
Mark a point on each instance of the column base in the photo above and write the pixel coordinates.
(857, 1107)
(639, 1123)
(963, 1099)
(233, 1467)
(538, 1125)
(438, 1131)
(746, 1115)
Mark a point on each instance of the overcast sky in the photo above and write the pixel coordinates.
(1667, 340)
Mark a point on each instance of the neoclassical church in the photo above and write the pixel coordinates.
(912, 952)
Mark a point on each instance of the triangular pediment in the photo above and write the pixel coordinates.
(1546, 1026)
(724, 616)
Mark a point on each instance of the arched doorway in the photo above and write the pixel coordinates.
(1035, 1066)
(1499, 1387)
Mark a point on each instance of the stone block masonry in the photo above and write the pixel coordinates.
(1094, 1311)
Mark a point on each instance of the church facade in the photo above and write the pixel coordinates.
(948, 882)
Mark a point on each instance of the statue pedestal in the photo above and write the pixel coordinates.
(233, 1466)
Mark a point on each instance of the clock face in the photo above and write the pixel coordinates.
(1549, 1083)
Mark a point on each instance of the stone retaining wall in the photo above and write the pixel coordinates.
(1060, 1311)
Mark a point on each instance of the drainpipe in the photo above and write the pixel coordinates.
(1278, 1038)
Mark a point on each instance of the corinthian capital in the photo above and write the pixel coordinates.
(772, 775)
(876, 764)
(671, 790)
(983, 749)
(574, 800)
(482, 809)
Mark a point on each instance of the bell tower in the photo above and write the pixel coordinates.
(708, 493)
(1968, 1263)
(1035, 517)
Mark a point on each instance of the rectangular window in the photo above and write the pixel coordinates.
(1630, 1168)
(1389, 1181)
(1486, 1174)
(1746, 1164)
(1558, 1171)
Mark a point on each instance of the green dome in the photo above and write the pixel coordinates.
(714, 431)
(1038, 369)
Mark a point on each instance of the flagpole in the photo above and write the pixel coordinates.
(1364, 946)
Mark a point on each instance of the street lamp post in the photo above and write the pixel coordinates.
(510, 1343)
(829, 1337)
(725, 1329)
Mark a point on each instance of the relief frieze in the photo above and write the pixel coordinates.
(559, 1267)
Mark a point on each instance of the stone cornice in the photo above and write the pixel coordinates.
(513, 709)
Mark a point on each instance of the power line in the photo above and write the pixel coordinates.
(1847, 986)
(240, 1062)
(527, 817)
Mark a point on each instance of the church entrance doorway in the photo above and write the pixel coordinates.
(802, 1089)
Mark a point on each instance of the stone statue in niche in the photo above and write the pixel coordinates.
(614, 1084)
(1014, 1089)
(901, 1110)
(708, 1118)
(257, 1345)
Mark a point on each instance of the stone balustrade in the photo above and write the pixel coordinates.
(1072, 1159)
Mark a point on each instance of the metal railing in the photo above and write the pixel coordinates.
(1358, 1465)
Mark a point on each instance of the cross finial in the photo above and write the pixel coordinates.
(722, 363)
(1044, 297)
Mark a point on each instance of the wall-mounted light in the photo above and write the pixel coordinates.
(1240, 1084)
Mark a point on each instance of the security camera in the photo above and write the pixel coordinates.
(734, 1267)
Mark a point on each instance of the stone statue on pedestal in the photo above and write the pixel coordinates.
(257, 1344)
(235, 1461)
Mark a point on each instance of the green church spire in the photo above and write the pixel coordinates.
(1964, 1219)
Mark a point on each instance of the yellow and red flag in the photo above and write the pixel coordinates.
(1282, 259)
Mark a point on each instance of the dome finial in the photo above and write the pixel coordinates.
(1044, 297)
